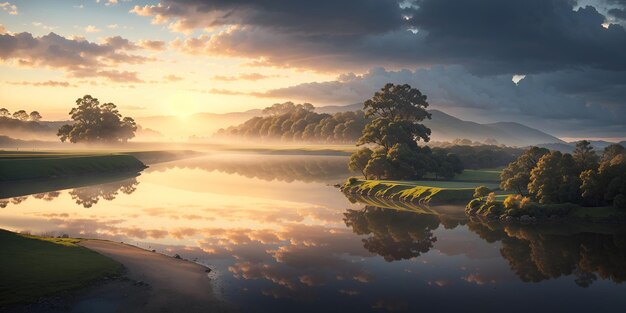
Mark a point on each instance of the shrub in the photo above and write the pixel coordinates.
(512, 202)
(481, 191)
(352, 180)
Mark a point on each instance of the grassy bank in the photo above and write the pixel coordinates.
(32, 267)
(410, 192)
(23, 166)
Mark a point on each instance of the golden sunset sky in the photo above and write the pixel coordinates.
(555, 65)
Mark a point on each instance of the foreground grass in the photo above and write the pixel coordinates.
(32, 267)
(409, 191)
(47, 165)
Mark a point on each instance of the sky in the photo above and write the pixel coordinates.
(557, 65)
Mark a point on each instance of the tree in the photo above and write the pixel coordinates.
(396, 112)
(396, 103)
(584, 155)
(359, 160)
(4, 112)
(34, 116)
(545, 178)
(378, 166)
(95, 122)
(606, 181)
(516, 175)
(20, 115)
(612, 151)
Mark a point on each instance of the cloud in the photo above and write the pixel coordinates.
(77, 56)
(9, 8)
(173, 78)
(618, 13)
(156, 45)
(486, 36)
(92, 29)
(49, 83)
(2, 29)
(245, 76)
(317, 17)
(226, 92)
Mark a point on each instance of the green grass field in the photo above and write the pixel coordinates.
(32, 267)
(14, 166)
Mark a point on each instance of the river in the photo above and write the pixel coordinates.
(280, 238)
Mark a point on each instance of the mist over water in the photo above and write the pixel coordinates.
(280, 238)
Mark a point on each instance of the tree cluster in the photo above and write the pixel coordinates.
(298, 122)
(97, 122)
(20, 115)
(552, 177)
(482, 156)
(394, 128)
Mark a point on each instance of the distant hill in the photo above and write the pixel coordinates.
(446, 127)
(330, 109)
(568, 147)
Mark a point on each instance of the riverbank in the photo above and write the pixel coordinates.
(30, 166)
(409, 192)
(26, 165)
(63, 274)
(32, 267)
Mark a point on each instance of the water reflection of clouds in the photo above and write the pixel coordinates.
(284, 246)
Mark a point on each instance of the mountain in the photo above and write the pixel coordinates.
(446, 127)
(331, 109)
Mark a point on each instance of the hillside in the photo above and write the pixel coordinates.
(446, 127)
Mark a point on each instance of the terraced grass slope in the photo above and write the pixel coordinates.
(32, 267)
(408, 191)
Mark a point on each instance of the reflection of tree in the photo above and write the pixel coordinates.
(18, 200)
(47, 196)
(88, 196)
(540, 253)
(395, 235)
(282, 168)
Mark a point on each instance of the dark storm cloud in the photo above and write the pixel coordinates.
(618, 13)
(310, 17)
(573, 59)
(487, 36)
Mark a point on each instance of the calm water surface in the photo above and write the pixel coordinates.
(280, 238)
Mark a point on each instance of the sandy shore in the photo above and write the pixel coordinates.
(173, 285)
(152, 282)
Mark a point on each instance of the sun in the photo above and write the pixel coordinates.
(182, 104)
